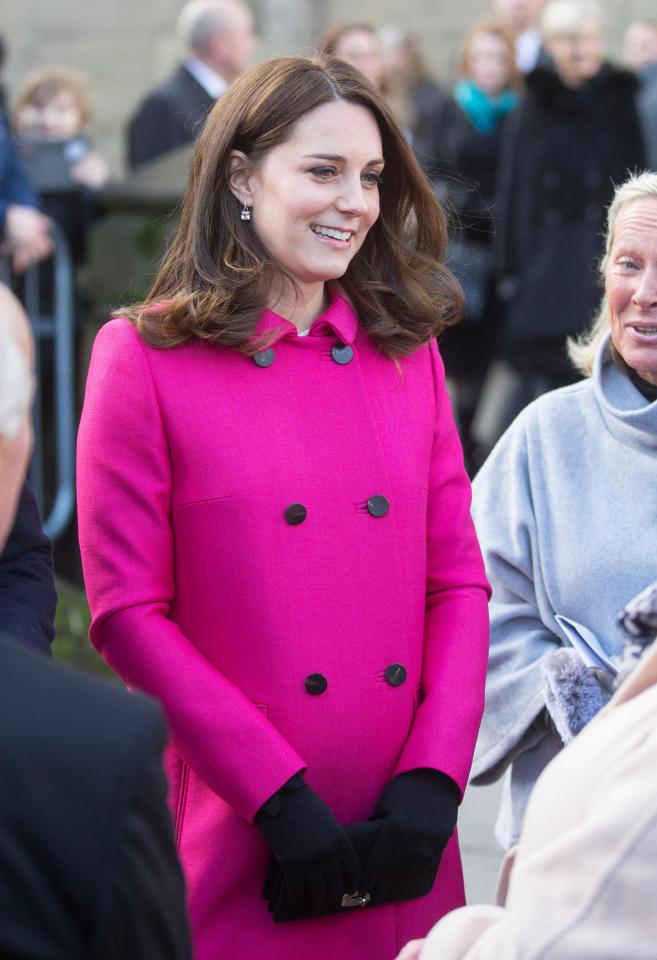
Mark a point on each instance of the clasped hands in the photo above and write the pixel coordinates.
(320, 867)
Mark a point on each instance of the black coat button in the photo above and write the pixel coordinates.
(378, 506)
(264, 359)
(316, 683)
(295, 514)
(395, 674)
(342, 353)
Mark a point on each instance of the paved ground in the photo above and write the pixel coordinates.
(480, 850)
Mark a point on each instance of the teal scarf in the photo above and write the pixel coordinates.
(485, 112)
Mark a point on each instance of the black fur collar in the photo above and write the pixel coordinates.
(611, 83)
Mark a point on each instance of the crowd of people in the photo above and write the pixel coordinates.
(378, 285)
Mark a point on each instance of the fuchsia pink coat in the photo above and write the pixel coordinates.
(204, 595)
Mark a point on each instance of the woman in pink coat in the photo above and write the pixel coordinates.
(275, 529)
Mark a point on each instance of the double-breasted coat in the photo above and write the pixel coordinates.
(280, 549)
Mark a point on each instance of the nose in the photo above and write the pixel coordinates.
(352, 199)
(645, 295)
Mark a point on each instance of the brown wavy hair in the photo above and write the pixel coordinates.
(217, 276)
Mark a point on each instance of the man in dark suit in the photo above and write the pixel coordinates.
(218, 39)
(27, 589)
(88, 868)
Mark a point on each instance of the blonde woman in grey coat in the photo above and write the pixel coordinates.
(568, 491)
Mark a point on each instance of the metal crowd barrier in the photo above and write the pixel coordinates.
(52, 323)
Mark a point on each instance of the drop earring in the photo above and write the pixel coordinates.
(245, 213)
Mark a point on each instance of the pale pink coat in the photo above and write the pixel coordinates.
(581, 883)
(204, 596)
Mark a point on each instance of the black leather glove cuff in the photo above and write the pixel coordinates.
(273, 806)
(421, 791)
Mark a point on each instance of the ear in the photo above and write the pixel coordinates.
(240, 170)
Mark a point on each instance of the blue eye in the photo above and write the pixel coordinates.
(372, 179)
(323, 172)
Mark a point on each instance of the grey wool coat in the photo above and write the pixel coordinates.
(566, 515)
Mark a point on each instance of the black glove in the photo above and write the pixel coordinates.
(318, 864)
(362, 837)
(417, 814)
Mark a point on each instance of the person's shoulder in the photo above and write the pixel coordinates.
(72, 709)
(552, 418)
(557, 409)
(165, 89)
(119, 333)
(618, 80)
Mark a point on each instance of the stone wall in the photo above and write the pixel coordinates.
(124, 46)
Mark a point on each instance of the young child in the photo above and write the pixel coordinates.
(53, 105)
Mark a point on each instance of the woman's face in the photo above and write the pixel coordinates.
(315, 197)
(488, 62)
(577, 56)
(58, 119)
(631, 286)
(363, 51)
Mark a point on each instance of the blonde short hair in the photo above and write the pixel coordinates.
(582, 349)
(567, 17)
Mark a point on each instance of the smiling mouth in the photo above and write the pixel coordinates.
(648, 331)
(331, 232)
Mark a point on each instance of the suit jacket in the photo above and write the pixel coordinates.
(283, 554)
(27, 589)
(170, 116)
(88, 869)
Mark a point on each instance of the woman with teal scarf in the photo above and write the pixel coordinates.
(463, 168)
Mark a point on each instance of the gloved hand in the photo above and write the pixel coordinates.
(417, 813)
(318, 864)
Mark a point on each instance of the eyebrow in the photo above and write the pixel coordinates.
(336, 158)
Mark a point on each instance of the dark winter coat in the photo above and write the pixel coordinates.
(462, 162)
(563, 152)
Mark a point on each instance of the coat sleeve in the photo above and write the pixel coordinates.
(503, 512)
(455, 652)
(126, 539)
(27, 588)
(15, 186)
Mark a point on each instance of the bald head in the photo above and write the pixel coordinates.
(16, 383)
(220, 33)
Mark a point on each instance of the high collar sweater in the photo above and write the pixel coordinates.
(566, 515)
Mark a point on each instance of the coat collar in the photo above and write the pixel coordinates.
(339, 318)
(627, 414)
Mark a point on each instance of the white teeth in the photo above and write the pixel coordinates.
(649, 330)
(329, 232)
